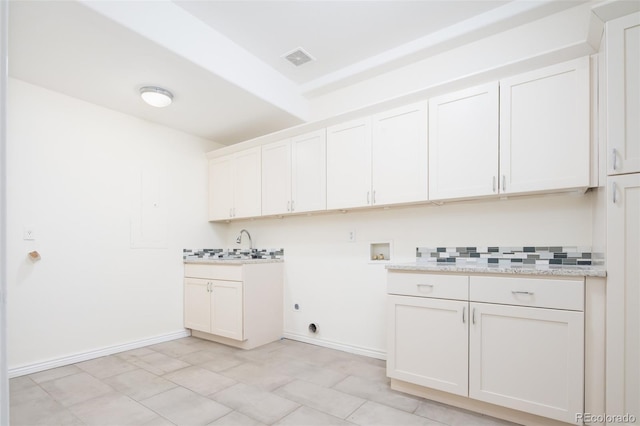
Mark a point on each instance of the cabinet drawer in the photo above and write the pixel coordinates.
(428, 285)
(542, 293)
(213, 272)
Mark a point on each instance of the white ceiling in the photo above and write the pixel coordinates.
(223, 59)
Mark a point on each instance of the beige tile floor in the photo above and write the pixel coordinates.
(195, 382)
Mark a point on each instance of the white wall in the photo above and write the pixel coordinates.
(93, 183)
(337, 286)
(562, 36)
(4, 376)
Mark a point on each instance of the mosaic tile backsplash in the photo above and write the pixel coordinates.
(511, 256)
(188, 254)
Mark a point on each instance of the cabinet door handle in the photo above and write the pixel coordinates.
(614, 190)
(494, 184)
(473, 316)
(464, 311)
(527, 293)
(614, 154)
(368, 192)
(374, 196)
(293, 205)
(504, 183)
(288, 206)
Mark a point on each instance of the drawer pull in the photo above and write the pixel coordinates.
(425, 285)
(464, 311)
(528, 293)
(473, 316)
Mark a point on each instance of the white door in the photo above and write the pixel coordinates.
(226, 309)
(427, 342)
(247, 174)
(276, 178)
(221, 188)
(528, 359)
(309, 172)
(197, 304)
(623, 94)
(623, 295)
(399, 155)
(545, 129)
(349, 164)
(463, 143)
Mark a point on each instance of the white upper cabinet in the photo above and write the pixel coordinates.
(545, 129)
(623, 94)
(399, 155)
(294, 174)
(220, 188)
(234, 185)
(246, 184)
(349, 164)
(378, 160)
(276, 178)
(463, 143)
(309, 172)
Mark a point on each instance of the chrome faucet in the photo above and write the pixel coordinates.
(239, 239)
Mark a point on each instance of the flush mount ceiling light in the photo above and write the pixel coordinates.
(156, 96)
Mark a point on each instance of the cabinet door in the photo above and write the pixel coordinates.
(399, 155)
(226, 309)
(528, 359)
(276, 178)
(545, 129)
(427, 342)
(221, 188)
(623, 94)
(463, 143)
(246, 183)
(623, 295)
(197, 304)
(349, 164)
(309, 172)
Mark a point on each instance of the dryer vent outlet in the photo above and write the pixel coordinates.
(313, 328)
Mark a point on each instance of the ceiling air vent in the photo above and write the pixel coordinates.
(298, 56)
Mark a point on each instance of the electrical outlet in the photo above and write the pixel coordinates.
(351, 237)
(28, 233)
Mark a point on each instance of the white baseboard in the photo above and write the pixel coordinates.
(358, 350)
(85, 356)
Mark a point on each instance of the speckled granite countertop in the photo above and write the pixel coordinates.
(232, 261)
(559, 270)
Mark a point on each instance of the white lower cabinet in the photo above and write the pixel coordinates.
(214, 306)
(528, 359)
(239, 305)
(429, 345)
(511, 342)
